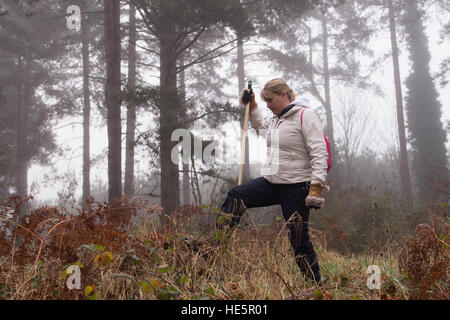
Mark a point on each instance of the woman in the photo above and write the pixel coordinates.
(294, 173)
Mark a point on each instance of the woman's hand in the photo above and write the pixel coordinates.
(314, 199)
(247, 96)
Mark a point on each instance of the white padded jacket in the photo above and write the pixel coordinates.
(295, 152)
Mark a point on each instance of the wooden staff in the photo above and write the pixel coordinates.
(244, 135)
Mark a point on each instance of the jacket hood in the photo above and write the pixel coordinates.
(302, 101)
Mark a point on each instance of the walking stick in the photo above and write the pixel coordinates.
(244, 135)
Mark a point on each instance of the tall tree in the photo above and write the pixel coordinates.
(30, 49)
(113, 96)
(131, 106)
(24, 92)
(183, 118)
(91, 24)
(326, 77)
(405, 180)
(426, 132)
(86, 104)
(7, 141)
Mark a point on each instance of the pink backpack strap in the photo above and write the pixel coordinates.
(301, 118)
(329, 163)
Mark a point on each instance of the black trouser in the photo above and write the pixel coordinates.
(261, 193)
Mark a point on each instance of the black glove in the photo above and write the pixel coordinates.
(247, 97)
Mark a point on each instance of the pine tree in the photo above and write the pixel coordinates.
(113, 97)
(29, 50)
(405, 180)
(131, 106)
(426, 133)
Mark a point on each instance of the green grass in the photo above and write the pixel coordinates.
(256, 263)
(182, 262)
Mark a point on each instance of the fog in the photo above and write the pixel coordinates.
(43, 94)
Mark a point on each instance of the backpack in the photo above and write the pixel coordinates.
(329, 163)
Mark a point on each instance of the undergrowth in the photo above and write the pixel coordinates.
(129, 250)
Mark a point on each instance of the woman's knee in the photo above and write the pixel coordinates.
(233, 193)
(234, 202)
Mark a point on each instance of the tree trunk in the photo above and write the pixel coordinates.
(113, 97)
(24, 93)
(196, 187)
(405, 180)
(186, 189)
(86, 110)
(329, 113)
(131, 107)
(348, 173)
(170, 184)
(22, 168)
(242, 85)
(20, 181)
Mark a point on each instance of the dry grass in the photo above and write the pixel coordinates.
(176, 260)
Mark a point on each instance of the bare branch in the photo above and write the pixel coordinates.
(190, 43)
(205, 57)
(207, 113)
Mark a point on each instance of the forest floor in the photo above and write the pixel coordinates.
(178, 262)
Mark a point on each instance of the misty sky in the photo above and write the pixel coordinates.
(382, 110)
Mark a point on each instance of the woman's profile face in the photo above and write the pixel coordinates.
(276, 103)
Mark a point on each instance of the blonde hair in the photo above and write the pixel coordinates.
(276, 87)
